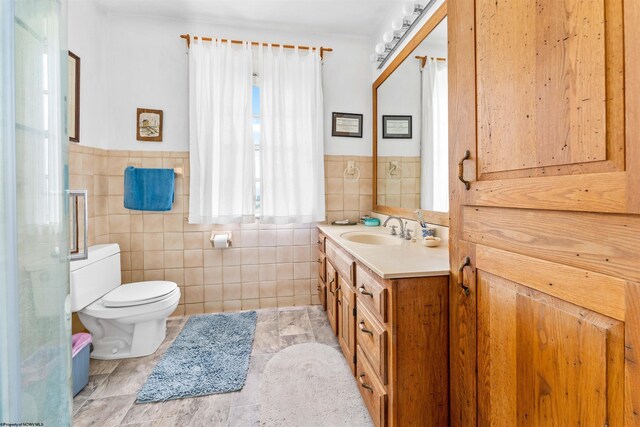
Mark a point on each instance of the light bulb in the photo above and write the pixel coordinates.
(408, 7)
(380, 48)
(373, 57)
(397, 24)
(388, 36)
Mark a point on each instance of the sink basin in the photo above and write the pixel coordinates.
(371, 238)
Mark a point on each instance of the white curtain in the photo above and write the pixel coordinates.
(222, 184)
(291, 125)
(434, 150)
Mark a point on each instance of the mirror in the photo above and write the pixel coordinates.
(411, 129)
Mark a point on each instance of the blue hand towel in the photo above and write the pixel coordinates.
(148, 189)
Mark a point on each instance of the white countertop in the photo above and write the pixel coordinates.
(409, 259)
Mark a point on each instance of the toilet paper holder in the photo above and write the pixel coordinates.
(215, 237)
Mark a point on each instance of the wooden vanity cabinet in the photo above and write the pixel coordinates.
(396, 333)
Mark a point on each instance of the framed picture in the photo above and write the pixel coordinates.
(149, 125)
(346, 124)
(396, 127)
(73, 98)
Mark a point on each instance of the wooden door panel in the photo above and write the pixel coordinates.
(543, 361)
(346, 322)
(606, 244)
(544, 84)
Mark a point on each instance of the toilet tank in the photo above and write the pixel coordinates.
(95, 276)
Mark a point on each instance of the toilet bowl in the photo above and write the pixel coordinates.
(124, 321)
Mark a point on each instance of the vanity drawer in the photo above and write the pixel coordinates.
(373, 393)
(322, 272)
(321, 240)
(371, 336)
(372, 293)
(342, 262)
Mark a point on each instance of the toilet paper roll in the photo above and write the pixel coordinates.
(220, 241)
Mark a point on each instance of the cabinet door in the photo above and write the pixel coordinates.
(544, 96)
(347, 322)
(543, 360)
(332, 297)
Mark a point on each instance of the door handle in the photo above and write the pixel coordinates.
(363, 384)
(465, 288)
(467, 184)
(74, 195)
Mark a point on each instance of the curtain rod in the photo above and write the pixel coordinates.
(423, 60)
(188, 37)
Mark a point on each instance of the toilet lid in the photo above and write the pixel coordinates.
(138, 293)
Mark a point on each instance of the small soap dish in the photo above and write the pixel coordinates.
(371, 222)
(431, 241)
(343, 222)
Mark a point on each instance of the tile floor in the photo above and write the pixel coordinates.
(108, 399)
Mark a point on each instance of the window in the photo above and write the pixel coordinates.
(255, 124)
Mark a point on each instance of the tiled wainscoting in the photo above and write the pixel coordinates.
(399, 186)
(267, 266)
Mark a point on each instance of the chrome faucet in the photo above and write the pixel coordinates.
(401, 235)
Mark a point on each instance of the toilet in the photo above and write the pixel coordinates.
(124, 321)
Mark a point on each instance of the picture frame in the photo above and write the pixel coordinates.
(397, 127)
(347, 125)
(148, 125)
(73, 97)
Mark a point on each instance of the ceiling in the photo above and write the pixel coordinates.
(346, 17)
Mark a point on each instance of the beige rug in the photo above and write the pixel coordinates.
(310, 385)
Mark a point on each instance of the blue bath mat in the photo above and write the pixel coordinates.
(211, 355)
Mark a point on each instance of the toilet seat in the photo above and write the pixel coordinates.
(138, 293)
(98, 310)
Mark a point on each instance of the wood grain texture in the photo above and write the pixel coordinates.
(632, 100)
(332, 297)
(462, 137)
(632, 356)
(342, 261)
(596, 192)
(541, 83)
(373, 339)
(597, 292)
(373, 393)
(543, 361)
(347, 324)
(372, 292)
(606, 244)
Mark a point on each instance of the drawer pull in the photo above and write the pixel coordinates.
(467, 184)
(465, 288)
(363, 384)
(318, 288)
(318, 241)
(319, 261)
(362, 325)
(364, 291)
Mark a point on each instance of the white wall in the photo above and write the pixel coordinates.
(400, 95)
(87, 38)
(146, 67)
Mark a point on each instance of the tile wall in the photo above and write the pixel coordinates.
(399, 186)
(267, 266)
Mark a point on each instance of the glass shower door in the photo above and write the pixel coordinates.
(35, 341)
